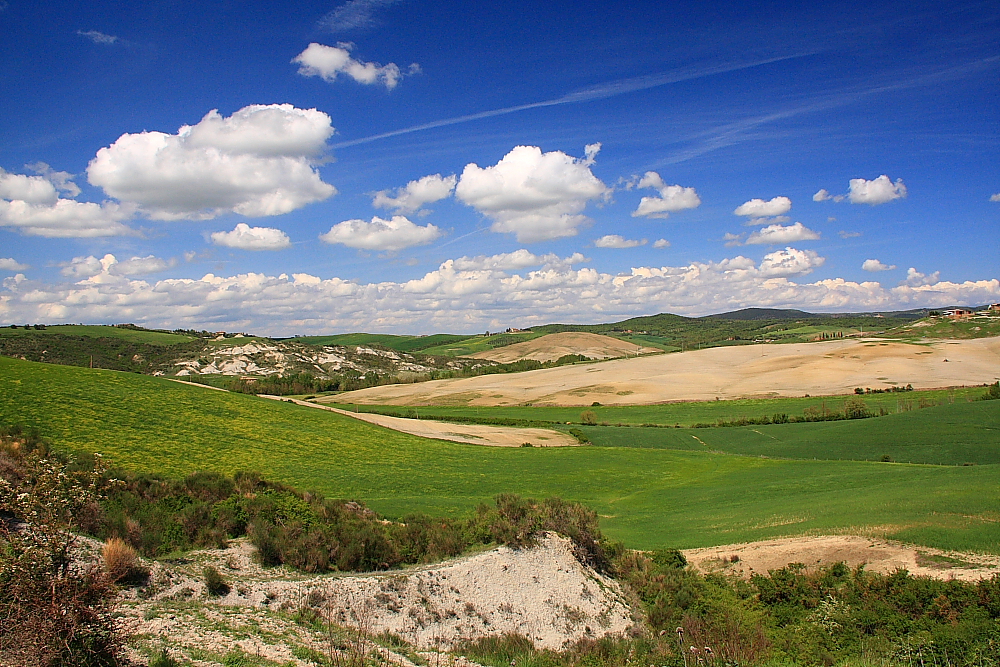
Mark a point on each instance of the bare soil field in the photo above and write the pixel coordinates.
(543, 593)
(875, 554)
(825, 368)
(553, 346)
(473, 434)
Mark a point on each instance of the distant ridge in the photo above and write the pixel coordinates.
(764, 314)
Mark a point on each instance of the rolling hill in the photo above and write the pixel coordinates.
(648, 497)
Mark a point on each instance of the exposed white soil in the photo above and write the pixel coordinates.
(552, 346)
(877, 555)
(473, 434)
(823, 368)
(542, 592)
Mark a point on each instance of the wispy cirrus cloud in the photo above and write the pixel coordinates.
(98, 37)
(591, 93)
(355, 15)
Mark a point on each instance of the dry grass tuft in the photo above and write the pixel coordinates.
(120, 559)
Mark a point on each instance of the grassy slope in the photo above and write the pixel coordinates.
(694, 412)
(976, 327)
(99, 331)
(476, 344)
(648, 497)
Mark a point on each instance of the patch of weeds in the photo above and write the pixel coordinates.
(941, 561)
(308, 617)
(309, 655)
(214, 583)
(163, 659)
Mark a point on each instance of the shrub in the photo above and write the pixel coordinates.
(214, 583)
(855, 408)
(992, 393)
(588, 417)
(51, 613)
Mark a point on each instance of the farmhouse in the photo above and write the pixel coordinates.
(958, 313)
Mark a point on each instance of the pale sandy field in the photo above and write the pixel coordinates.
(472, 434)
(876, 554)
(553, 346)
(827, 368)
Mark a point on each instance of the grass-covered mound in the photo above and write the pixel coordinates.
(647, 497)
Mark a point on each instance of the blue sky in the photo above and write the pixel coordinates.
(568, 161)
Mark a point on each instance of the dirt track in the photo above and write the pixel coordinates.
(473, 434)
(553, 346)
(878, 556)
(835, 367)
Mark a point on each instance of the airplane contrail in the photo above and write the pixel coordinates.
(598, 92)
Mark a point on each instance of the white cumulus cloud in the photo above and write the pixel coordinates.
(467, 295)
(617, 241)
(995, 197)
(824, 195)
(790, 262)
(758, 208)
(782, 234)
(245, 237)
(85, 267)
(513, 261)
(875, 265)
(328, 62)
(916, 279)
(33, 205)
(140, 266)
(672, 198)
(416, 194)
(536, 196)
(877, 191)
(260, 161)
(11, 264)
(661, 243)
(394, 234)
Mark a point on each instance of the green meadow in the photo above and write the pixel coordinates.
(102, 331)
(963, 433)
(653, 495)
(475, 344)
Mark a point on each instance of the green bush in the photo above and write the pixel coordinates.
(214, 583)
(992, 393)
